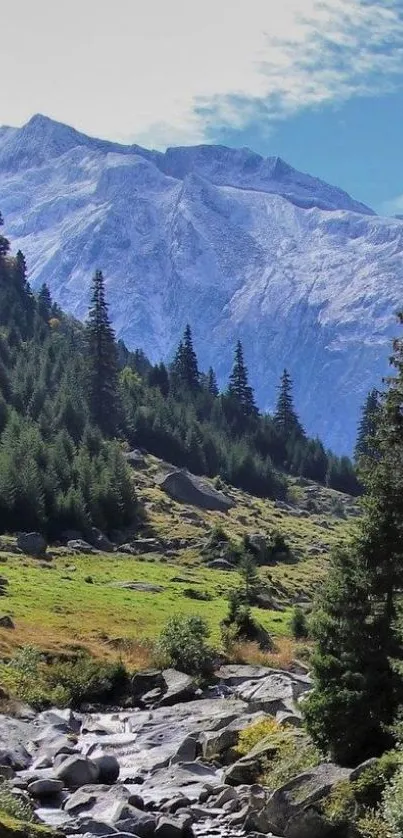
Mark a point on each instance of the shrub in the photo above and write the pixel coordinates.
(299, 623)
(182, 644)
(291, 752)
(13, 806)
(61, 683)
(393, 804)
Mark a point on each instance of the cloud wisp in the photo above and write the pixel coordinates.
(162, 73)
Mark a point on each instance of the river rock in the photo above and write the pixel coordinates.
(108, 768)
(76, 771)
(45, 788)
(285, 804)
(278, 691)
(169, 827)
(180, 687)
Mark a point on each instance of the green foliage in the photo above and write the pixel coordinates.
(392, 807)
(10, 804)
(102, 361)
(367, 427)
(183, 645)
(285, 416)
(358, 689)
(239, 390)
(29, 677)
(299, 623)
(289, 753)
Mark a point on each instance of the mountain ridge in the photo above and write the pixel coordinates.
(307, 277)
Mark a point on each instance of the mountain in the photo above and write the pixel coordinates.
(238, 245)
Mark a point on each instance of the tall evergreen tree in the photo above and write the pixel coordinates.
(357, 687)
(285, 416)
(212, 385)
(44, 303)
(102, 361)
(4, 243)
(238, 387)
(185, 371)
(367, 427)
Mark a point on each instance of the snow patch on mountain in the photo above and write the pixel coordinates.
(237, 245)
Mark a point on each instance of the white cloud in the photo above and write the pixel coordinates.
(163, 72)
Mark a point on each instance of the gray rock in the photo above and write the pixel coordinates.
(108, 768)
(187, 750)
(245, 770)
(145, 682)
(187, 488)
(225, 796)
(135, 459)
(172, 806)
(6, 622)
(173, 827)
(145, 587)
(32, 544)
(285, 805)
(76, 771)
(220, 564)
(100, 541)
(278, 691)
(180, 687)
(78, 545)
(45, 788)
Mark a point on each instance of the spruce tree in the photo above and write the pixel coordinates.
(185, 371)
(212, 385)
(4, 243)
(102, 361)
(358, 689)
(285, 416)
(367, 427)
(44, 303)
(238, 387)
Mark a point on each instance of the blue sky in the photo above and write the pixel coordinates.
(318, 82)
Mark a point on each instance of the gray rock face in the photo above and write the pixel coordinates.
(180, 687)
(32, 543)
(76, 771)
(187, 488)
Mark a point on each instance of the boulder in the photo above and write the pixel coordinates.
(6, 622)
(178, 827)
(135, 459)
(285, 804)
(78, 545)
(278, 691)
(76, 771)
(145, 682)
(32, 544)
(100, 541)
(180, 687)
(183, 486)
(145, 587)
(220, 564)
(109, 768)
(45, 788)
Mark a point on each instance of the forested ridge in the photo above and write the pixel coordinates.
(72, 397)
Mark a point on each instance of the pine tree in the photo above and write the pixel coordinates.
(357, 687)
(212, 385)
(185, 371)
(4, 243)
(45, 303)
(367, 427)
(102, 361)
(285, 416)
(238, 387)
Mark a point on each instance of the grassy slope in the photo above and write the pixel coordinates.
(54, 607)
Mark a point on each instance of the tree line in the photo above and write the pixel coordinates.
(70, 395)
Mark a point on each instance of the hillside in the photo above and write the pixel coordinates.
(304, 275)
(72, 600)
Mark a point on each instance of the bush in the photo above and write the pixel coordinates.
(29, 677)
(291, 753)
(182, 644)
(393, 803)
(13, 806)
(299, 623)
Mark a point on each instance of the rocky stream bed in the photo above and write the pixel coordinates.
(165, 767)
